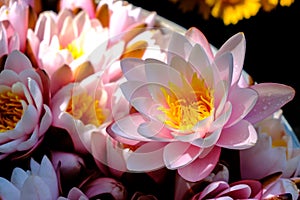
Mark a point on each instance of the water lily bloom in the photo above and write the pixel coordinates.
(191, 106)
(17, 13)
(274, 151)
(39, 181)
(85, 107)
(65, 44)
(25, 115)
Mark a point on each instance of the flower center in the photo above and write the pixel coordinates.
(183, 107)
(85, 108)
(75, 49)
(11, 110)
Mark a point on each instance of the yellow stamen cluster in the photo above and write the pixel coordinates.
(11, 110)
(87, 109)
(75, 49)
(187, 105)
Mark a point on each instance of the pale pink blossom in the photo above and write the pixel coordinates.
(274, 151)
(74, 42)
(17, 13)
(85, 107)
(40, 182)
(25, 115)
(191, 106)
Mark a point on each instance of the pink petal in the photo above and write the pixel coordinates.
(133, 69)
(272, 96)
(213, 189)
(127, 127)
(243, 100)
(197, 36)
(146, 158)
(237, 46)
(201, 168)
(17, 61)
(240, 136)
(178, 154)
(179, 45)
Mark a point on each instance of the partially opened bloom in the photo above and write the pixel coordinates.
(25, 115)
(17, 14)
(65, 40)
(274, 152)
(85, 107)
(38, 182)
(191, 106)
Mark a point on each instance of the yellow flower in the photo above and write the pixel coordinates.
(268, 5)
(232, 11)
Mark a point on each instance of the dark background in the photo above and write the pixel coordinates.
(272, 42)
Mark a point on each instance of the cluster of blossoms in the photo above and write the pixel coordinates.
(104, 101)
(230, 11)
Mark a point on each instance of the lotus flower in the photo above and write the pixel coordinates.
(85, 107)
(17, 14)
(274, 151)
(191, 106)
(39, 181)
(25, 115)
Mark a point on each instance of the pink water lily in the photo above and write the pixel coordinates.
(17, 14)
(25, 115)
(274, 151)
(39, 181)
(85, 107)
(65, 45)
(191, 106)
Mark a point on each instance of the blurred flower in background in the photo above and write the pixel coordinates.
(230, 11)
